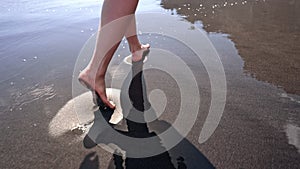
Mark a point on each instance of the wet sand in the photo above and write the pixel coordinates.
(266, 34)
(259, 127)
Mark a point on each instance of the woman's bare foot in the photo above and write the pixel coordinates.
(138, 52)
(95, 84)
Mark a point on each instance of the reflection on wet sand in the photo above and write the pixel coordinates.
(253, 132)
(266, 34)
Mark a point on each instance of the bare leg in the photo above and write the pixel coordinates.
(136, 48)
(116, 14)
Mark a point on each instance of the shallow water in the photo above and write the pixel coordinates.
(266, 33)
(40, 41)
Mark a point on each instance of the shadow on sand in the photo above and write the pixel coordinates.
(183, 155)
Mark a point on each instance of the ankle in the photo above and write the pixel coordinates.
(100, 75)
(134, 47)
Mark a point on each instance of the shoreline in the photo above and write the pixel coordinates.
(265, 40)
(258, 128)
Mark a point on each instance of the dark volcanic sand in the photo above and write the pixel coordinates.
(266, 34)
(260, 124)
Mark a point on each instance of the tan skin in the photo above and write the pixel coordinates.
(108, 39)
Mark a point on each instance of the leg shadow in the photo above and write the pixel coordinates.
(183, 155)
(91, 161)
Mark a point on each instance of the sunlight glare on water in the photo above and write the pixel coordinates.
(19, 16)
(37, 15)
